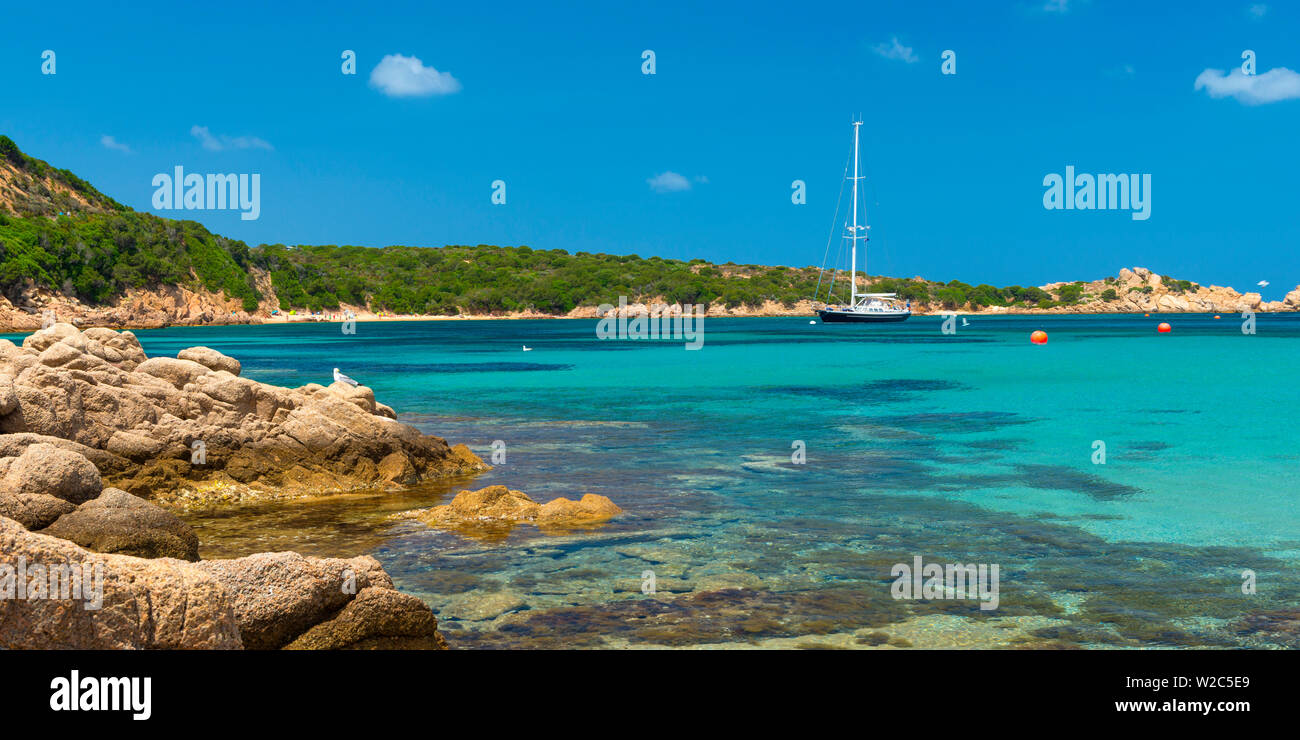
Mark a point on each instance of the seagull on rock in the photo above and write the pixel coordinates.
(341, 378)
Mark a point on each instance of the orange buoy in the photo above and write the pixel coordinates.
(1216, 316)
(1146, 314)
(1164, 328)
(1038, 337)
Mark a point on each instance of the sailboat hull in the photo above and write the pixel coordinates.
(861, 317)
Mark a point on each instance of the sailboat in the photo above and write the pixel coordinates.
(865, 308)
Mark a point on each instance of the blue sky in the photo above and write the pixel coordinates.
(747, 97)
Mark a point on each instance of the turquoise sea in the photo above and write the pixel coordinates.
(976, 447)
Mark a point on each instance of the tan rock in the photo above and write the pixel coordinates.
(210, 358)
(377, 618)
(278, 596)
(591, 509)
(53, 471)
(499, 504)
(117, 522)
(159, 604)
(490, 503)
(143, 415)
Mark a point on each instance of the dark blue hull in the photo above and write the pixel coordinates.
(846, 317)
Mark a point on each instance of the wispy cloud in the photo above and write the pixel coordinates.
(110, 143)
(217, 142)
(1057, 6)
(895, 50)
(671, 182)
(399, 76)
(1258, 10)
(1259, 89)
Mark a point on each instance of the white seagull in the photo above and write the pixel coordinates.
(341, 378)
(1262, 283)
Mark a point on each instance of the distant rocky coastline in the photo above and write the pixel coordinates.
(1133, 290)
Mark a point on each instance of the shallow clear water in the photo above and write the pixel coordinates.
(976, 447)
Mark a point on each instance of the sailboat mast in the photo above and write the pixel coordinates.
(853, 268)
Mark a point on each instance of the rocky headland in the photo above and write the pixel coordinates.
(98, 443)
(191, 427)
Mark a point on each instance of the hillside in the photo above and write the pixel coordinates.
(67, 248)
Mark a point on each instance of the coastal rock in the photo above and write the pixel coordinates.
(490, 503)
(377, 618)
(590, 509)
(8, 397)
(33, 510)
(117, 522)
(261, 601)
(500, 504)
(1292, 300)
(52, 471)
(190, 424)
(278, 596)
(210, 358)
(146, 604)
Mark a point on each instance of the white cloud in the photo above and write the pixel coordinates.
(110, 143)
(895, 50)
(217, 142)
(400, 76)
(1270, 87)
(1057, 6)
(671, 182)
(1257, 10)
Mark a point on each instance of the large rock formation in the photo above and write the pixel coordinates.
(81, 408)
(191, 423)
(141, 603)
(1139, 290)
(71, 585)
(262, 601)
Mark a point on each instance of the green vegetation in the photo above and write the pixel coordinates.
(1109, 294)
(1178, 286)
(488, 279)
(98, 257)
(1071, 293)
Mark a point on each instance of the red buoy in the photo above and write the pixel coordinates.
(1038, 337)
(1164, 328)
